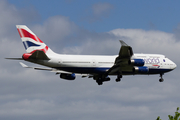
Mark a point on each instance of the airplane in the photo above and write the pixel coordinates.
(98, 67)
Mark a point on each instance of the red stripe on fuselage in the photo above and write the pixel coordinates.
(24, 33)
(155, 65)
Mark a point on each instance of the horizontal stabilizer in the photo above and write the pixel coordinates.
(39, 55)
(14, 58)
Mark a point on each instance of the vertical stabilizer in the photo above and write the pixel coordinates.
(31, 42)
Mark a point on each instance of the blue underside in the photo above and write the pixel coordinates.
(88, 70)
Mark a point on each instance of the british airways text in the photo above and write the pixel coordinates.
(152, 61)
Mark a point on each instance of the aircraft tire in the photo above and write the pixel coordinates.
(118, 80)
(161, 80)
(99, 82)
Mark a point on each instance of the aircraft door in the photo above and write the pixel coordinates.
(59, 63)
(93, 63)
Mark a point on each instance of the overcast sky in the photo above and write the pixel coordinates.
(89, 27)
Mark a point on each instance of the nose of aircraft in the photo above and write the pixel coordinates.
(173, 65)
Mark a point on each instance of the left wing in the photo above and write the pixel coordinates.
(55, 70)
(47, 69)
(121, 61)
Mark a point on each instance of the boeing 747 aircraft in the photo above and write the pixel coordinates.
(92, 66)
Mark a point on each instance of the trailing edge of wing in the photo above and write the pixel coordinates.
(47, 69)
(55, 70)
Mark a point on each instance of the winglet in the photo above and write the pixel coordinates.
(123, 43)
(125, 51)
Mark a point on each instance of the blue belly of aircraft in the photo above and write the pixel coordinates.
(96, 70)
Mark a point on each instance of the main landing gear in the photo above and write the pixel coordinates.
(161, 79)
(118, 79)
(101, 79)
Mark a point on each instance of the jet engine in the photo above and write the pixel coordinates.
(67, 76)
(137, 62)
(140, 69)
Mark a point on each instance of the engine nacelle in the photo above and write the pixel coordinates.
(140, 69)
(67, 76)
(137, 62)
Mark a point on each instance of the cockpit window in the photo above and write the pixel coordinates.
(164, 60)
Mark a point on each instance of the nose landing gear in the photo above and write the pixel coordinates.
(161, 79)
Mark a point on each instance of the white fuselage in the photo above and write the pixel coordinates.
(93, 64)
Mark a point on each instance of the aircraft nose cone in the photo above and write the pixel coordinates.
(174, 66)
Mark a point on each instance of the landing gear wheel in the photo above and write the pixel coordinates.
(161, 80)
(118, 80)
(99, 82)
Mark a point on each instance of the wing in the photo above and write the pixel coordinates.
(55, 70)
(47, 69)
(121, 62)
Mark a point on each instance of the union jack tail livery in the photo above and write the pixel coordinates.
(31, 42)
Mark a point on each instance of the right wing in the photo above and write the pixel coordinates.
(121, 62)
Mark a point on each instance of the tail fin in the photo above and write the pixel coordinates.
(31, 41)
